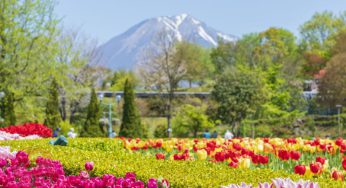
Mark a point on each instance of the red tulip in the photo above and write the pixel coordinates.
(284, 155)
(160, 156)
(344, 164)
(339, 141)
(263, 159)
(316, 167)
(295, 155)
(300, 169)
(337, 175)
(233, 164)
(321, 160)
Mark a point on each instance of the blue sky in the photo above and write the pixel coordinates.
(104, 19)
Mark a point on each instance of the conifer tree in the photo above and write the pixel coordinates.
(92, 126)
(53, 117)
(8, 109)
(131, 122)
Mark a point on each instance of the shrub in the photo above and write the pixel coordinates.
(160, 131)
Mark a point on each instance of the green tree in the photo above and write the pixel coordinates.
(8, 109)
(197, 61)
(119, 79)
(222, 56)
(53, 118)
(190, 119)
(318, 33)
(237, 92)
(92, 127)
(318, 37)
(131, 122)
(332, 88)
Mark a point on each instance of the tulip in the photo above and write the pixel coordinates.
(160, 156)
(344, 164)
(321, 160)
(202, 154)
(295, 155)
(300, 169)
(284, 155)
(89, 166)
(337, 175)
(316, 167)
(244, 163)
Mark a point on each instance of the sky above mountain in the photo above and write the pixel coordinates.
(104, 19)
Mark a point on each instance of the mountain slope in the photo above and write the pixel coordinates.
(126, 50)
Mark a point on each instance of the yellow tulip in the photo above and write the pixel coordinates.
(202, 154)
(244, 163)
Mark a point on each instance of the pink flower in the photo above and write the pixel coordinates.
(84, 174)
(152, 183)
(89, 166)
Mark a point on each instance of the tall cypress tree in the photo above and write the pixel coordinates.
(131, 122)
(8, 109)
(53, 117)
(91, 126)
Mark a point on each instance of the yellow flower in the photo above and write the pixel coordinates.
(202, 154)
(244, 163)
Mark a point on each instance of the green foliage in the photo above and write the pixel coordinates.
(196, 60)
(91, 127)
(318, 33)
(53, 117)
(160, 131)
(7, 110)
(131, 122)
(110, 158)
(190, 119)
(119, 78)
(238, 93)
(222, 56)
(65, 127)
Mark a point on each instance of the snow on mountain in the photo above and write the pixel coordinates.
(126, 50)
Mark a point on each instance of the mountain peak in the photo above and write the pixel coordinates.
(126, 50)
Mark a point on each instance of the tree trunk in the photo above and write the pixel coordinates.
(195, 133)
(233, 126)
(169, 114)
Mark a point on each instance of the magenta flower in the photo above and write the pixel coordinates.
(89, 166)
(152, 183)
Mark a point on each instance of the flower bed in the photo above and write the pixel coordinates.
(109, 157)
(29, 129)
(16, 172)
(9, 136)
(308, 158)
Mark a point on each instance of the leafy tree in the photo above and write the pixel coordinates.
(92, 127)
(190, 119)
(332, 88)
(222, 56)
(119, 79)
(275, 44)
(196, 60)
(318, 37)
(131, 122)
(27, 51)
(8, 109)
(238, 92)
(318, 32)
(53, 118)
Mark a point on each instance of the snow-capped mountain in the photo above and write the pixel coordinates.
(126, 50)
